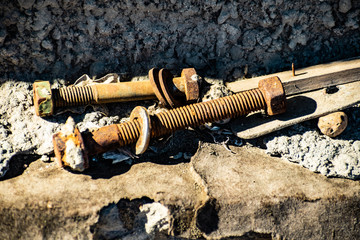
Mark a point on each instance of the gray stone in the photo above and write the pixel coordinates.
(47, 45)
(344, 6)
(3, 35)
(27, 4)
(128, 35)
(330, 157)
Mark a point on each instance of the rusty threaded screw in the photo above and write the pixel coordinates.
(269, 96)
(170, 91)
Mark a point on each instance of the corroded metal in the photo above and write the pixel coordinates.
(164, 123)
(42, 98)
(143, 117)
(69, 147)
(175, 91)
(160, 86)
(274, 95)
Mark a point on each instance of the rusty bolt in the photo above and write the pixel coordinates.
(142, 127)
(171, 92)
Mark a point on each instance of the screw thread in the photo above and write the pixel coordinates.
(200, 113)
(129, 132)
(188, 116)
(73, 96)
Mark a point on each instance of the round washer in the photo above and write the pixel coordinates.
(165, 78)
(155, 84)
(142, 115)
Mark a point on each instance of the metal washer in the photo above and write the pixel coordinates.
(141, 114)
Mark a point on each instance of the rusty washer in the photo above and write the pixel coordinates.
(142, 116)
(169, 89)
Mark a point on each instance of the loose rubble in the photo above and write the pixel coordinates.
(136, 219)
(338, 157)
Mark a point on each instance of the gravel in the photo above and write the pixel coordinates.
(332, 157)
(64, 39)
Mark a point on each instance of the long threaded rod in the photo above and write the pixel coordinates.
(211, 111)
(164, 123)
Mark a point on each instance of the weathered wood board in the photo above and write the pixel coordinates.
(301, 107)
(304, 73)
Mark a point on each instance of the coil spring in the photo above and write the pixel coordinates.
(73, 96)
(200, 113)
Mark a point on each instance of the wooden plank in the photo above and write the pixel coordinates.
(312, 74)
(318, 82)
(300, 108)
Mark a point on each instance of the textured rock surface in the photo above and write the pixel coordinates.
(333, 124)
(227, 39)
(274, 197)
(338, 157)
(217, 194)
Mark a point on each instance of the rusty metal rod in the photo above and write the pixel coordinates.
(162, 85)
(164, 123)
(102, 93)
(269, 96)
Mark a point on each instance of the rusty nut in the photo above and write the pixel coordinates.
(69, 147)
(43, 98)
(274, 94)
(191, 83)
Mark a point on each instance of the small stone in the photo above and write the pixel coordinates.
(47, 45)
(344, 6)
(27, 4)
(333, 124)
(224, 15)
(97, 68)
(45, 158)
(3, 35)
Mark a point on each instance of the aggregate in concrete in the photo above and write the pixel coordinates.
(224, 39)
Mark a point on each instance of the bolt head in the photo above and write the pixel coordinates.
(274, 94)
(191, 82)
(69, 147)
(43, 99)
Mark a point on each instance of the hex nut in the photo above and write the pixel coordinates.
(43, 98)
(333, 124)
(69, 147)
(191, 82)
(274, 94)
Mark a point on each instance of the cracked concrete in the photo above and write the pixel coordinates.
(217, 194)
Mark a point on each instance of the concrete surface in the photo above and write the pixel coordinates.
(217, 194)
